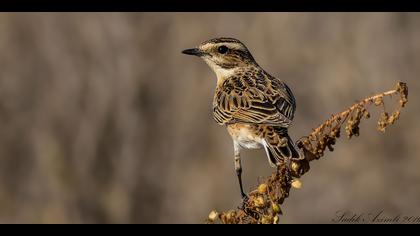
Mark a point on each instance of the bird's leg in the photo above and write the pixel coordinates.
(238, 167)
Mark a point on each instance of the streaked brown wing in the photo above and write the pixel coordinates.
(268, 102)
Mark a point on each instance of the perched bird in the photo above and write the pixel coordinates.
(256, 108)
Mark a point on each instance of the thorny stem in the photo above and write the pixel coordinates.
(263, 204)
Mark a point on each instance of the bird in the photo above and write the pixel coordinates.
(256, 107)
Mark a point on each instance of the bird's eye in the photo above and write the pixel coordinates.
(222, 49)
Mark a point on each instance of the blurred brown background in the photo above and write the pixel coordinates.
(103, 120)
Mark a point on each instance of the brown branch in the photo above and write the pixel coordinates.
(325, 135)
(263, 204)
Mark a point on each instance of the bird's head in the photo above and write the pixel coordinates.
(223, 55)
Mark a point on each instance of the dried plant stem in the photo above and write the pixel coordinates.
(347, 112)
(325, 135)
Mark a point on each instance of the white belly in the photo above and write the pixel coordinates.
(249, 144)
(245, 136)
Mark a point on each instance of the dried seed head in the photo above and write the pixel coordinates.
(230, 215)
(262, 188)
(276, 219)
(276, 208)
(266, 220)
(295, 167)
(299, 167)
(259, 201)
(213, 215)
(296, 184)
(394, 117)
(379, 101)
(403, 90)
(366, 114)
(383, 121)
(381, 126)
(335, 133)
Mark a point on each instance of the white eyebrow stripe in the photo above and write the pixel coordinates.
(235, 46)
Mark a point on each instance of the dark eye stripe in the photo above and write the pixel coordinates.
(246, 56)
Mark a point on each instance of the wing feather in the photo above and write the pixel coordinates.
(265, 100)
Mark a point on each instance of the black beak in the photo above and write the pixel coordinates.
(193, 51)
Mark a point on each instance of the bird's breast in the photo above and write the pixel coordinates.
(246, 135)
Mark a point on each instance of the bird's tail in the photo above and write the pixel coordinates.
(280, 147)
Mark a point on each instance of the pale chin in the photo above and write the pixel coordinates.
(219, 71)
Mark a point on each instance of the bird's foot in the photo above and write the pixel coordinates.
(244, 201)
